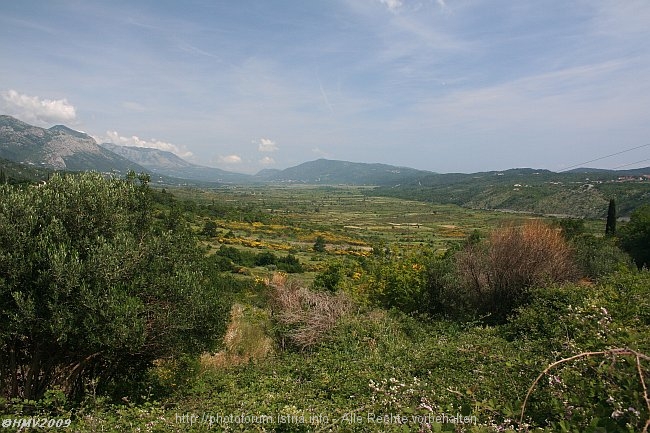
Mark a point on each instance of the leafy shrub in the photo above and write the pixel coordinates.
(237, 256)
(592, 391)
(571, 227)
(635, 236)
(92, 288)
(265, 259)
(443, 295)
(209, 229)
(319, 244)
(289, 264)
(330, 278)
(398, 284)
(422, 283)
(597, 257)
(617, 399)
(230, 259)
(613, 312)
(222, 263)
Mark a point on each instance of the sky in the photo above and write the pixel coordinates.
(440, 85)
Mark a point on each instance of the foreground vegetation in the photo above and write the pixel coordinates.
(127, 308)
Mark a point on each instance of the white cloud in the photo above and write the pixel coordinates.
(230, 159)
(319, 152)
(267, 160)
(392, 5)
(135, 141)
(35, 109)
(266, 145)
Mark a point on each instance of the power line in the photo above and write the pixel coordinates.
(632, 163)
(603, 157)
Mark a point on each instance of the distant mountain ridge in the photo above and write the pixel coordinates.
(62, 148)
(321, 171)
(582, 192)
(58, 147)
(332, 172)
(169, 164)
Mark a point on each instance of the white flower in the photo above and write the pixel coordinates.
(634, 411)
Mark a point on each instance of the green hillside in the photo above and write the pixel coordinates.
(530, 190)
(14, 172)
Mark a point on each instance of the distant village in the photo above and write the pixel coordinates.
(637, 178)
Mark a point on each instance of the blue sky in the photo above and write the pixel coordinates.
(441, 85)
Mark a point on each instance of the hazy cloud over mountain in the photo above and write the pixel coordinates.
(135, 141)
(37, 110)
(230, 159)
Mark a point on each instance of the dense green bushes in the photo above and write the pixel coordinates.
(635, 236)
(563, 321)
(93, 288)
(231, 259)
(597, 257)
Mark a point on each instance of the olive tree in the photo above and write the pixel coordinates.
(92, 287)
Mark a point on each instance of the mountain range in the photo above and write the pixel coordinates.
(579, 192)
(321, 171)
(62, 148)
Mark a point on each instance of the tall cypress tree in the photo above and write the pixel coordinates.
(3, 178)
(610, 227)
